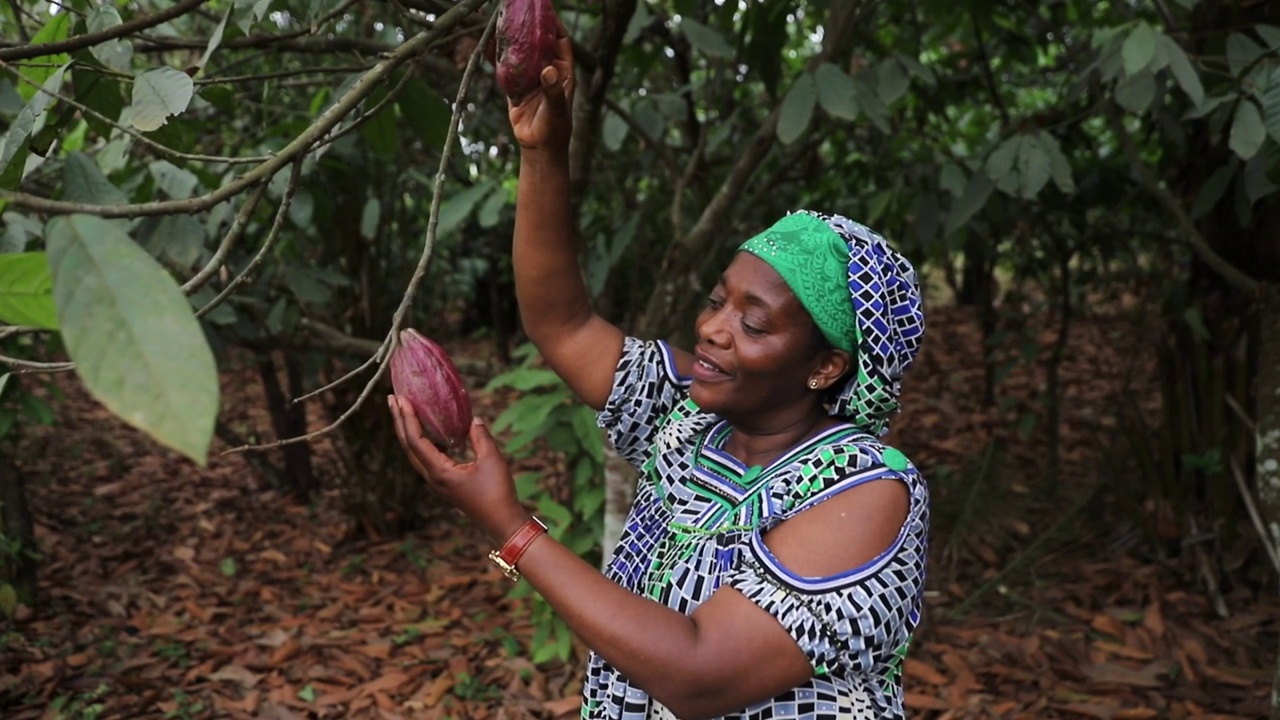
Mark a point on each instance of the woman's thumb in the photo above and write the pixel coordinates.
(481, 439)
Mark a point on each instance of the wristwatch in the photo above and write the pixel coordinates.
(515, 546)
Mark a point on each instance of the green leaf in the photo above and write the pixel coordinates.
(1257, 184)
(1270, 35)
(307, 693)
(951, 179)
(13, 157)
(1060, 165)
(1136, 92)
(1139, 48)
(228, 567)
(892, 81)
(525, 379)
(4, 382)
(84, 182)
(132, 334)
(1242, 52)
(178, 240)
(1247, 130)
(379, 131)
(215, 39)
(178, 183)
(370, 217)
(157, 95)
(614, 131)
(1213, 190)
(974, 198)
(116, 54)
(43, 67)
(26, 290)
(1183, 71)
(706, 39)
(457, 208)
(797, 109)
(837, 93)
(427, 113)
(1034, 167)
(1001, 161)
(1271, 105)
(490, 211)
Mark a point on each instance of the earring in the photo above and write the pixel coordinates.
(813, 384)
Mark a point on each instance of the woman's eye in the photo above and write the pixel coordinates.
(750, 329)
(715, 303)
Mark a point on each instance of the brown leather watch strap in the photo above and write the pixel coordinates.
(515, 546)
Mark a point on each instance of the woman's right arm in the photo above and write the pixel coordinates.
(579, 345)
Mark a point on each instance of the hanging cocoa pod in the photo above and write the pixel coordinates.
(424, 375)
(526, 44)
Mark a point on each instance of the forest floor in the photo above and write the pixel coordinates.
(170, 591)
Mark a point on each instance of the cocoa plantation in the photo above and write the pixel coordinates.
(230, 229)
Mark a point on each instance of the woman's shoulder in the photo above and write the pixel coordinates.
(840, 458)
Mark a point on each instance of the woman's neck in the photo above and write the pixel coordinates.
(762, 445)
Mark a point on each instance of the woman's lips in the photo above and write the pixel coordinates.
(707, 371)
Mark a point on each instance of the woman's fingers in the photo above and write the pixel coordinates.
(417, 447)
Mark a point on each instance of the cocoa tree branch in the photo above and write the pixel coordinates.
(79, 42)
(276, 226)
(17, 20)
(383, 355)
(323, 124)
(229, 241)
(160, 148)
(1149, 182)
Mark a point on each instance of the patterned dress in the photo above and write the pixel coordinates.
(697, 524)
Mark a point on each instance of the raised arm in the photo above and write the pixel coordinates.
(579, 345)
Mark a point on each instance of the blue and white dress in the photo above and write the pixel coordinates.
(697, 524)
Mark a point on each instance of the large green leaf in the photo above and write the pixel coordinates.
(1271, 105)
(26, 291)
(837, 93)
(1139, 49)
(456, 209)
(17, 145)
(706, 39)
(38, 73)
(797, 109)
(116, 54)
(1034, 167)
(85, 182)
(1213, 189)
(1247, 131)
(974, 199)
(132, 334)
(1183, 71)
(1136, 92)
(1242, 51)
(158, 94)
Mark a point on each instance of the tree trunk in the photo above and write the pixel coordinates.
(289, 421)
(17, 533)
(1267, 397)
(619, 491)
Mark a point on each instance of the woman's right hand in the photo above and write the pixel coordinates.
(543, 119)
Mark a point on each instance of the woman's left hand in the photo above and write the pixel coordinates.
(481, 488)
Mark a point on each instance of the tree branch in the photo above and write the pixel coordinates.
(327, 120)
(382, 356)
(79, 42)
(1149, 182)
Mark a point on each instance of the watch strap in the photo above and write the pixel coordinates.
(515, 546)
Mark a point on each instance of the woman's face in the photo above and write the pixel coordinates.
(754, 351)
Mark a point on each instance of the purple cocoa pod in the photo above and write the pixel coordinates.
(526, 44)
(424, 375)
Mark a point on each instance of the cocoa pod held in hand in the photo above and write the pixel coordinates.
(526, 44)
(424, 375)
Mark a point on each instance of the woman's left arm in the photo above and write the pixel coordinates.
(728, 654)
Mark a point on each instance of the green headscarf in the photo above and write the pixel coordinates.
(812, 259)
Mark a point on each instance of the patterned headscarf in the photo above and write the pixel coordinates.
(862, 295)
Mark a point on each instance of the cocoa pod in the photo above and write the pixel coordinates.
(424, 375)
(526, 44)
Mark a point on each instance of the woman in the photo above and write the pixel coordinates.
(773, 560)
